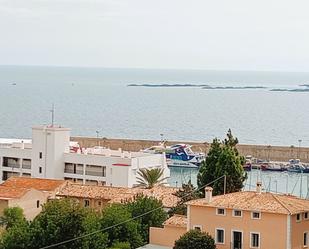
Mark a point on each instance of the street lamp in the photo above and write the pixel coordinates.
(98, 141)
(299, 144)
(161, 135)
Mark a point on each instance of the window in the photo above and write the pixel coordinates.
(40, 155)
(40, 170)
(255, 240)
(220, 211)
(306, 216)
(99, 203)
(256, 215)
(197, 227)
(306, 239)
(220, 236)
(237, 213)
(37, 203)
(86, 203)
(298, 217)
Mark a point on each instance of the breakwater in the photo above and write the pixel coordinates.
(265, 152)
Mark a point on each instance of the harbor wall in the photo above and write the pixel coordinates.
(265, 152)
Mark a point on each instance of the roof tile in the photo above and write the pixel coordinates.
(35, 183)
(253, 201)
(119, 194)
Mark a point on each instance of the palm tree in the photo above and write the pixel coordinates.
(149, 178)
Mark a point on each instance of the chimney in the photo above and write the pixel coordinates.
(258, 187)
(208, 194)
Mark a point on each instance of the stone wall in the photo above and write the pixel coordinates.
(266, 152)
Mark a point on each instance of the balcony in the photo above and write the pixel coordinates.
(93, 170)
(26, 164)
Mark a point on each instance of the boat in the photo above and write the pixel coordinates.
(296, 166)
(178, 155)
(270, 166)
(248, 163)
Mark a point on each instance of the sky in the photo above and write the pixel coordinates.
(179, 34)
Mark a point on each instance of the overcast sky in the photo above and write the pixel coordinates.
(191, 34)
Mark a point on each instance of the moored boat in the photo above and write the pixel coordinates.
(271, 166)
(178, 155)
(297, 167)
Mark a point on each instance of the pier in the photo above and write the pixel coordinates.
(265, 152)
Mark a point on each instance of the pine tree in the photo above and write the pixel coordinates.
(223, 159)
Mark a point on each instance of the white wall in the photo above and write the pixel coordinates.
(53, 142)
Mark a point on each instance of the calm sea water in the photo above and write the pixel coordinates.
(96, 99)
(277, 182)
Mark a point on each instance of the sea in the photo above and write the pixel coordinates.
(99, 102)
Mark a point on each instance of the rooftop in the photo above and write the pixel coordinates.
(118, 194)
(35, 183)
(7, 193)
(102, 151)
(177, 221)
(253, 201)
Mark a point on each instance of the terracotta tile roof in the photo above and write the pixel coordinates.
(12, 193)
(35, 183)
(264, 202)
(176, 220)
(119, 194)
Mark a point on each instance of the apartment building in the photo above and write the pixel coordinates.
(243, 220)
(50, 154)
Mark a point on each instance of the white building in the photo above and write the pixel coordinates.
(50, 154)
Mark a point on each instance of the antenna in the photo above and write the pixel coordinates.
(52, 115)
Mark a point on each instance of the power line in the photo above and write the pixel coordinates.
(123, 222)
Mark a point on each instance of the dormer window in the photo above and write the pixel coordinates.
(220, 211)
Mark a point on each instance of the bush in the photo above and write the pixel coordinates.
(195, 239)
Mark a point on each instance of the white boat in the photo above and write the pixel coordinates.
(178, 155)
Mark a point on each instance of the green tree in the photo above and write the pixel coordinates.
(187, 193)
(195, 239)
(144, 204)
(121, 227)
(223, 159)
(16, 235)
(64, 219)
(12, 216)
(149, 178)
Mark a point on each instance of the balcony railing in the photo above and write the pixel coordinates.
(26, 166)
(11, 165)
(94, 173)
(71, 171)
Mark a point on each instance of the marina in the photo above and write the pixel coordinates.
(278, 182)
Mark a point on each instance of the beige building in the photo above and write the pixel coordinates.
(243, 220)
(30, 200)
(28, 193)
